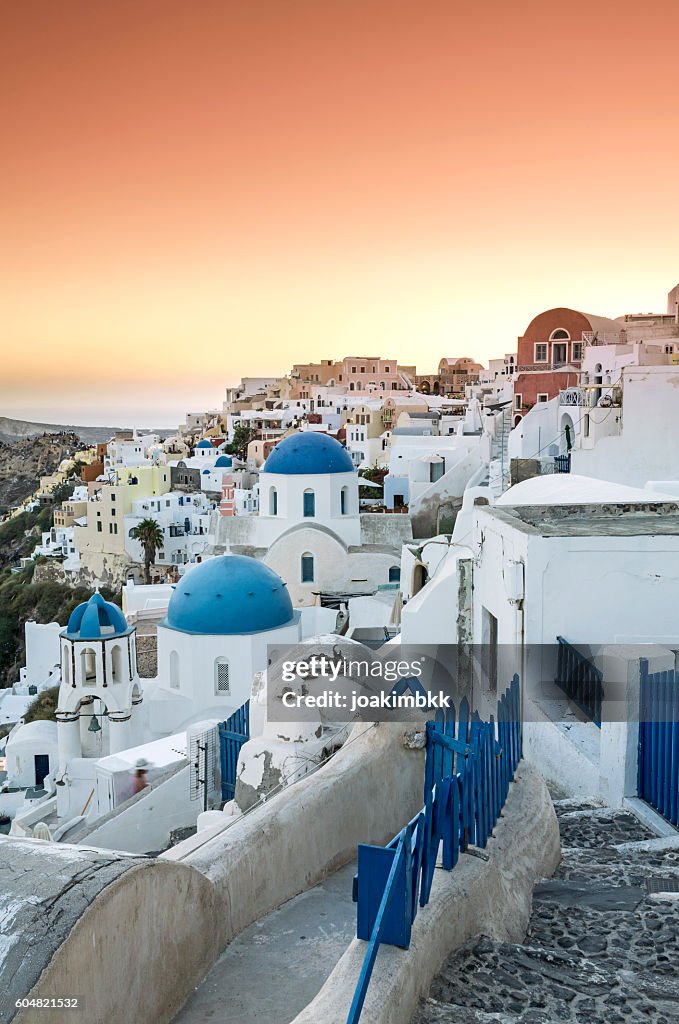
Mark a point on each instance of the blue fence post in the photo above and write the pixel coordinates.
(466, 784)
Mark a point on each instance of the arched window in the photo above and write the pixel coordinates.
(344, 501)
(174, 670)
(307, 568)
(395, 574)
(88, 665)
(559, 335)
(309, 504)
(222, 684)
(66, 666)
(117, 664)
(273, 501)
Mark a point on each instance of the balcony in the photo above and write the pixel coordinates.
(605, 337)
(548, 367)
(575, 397)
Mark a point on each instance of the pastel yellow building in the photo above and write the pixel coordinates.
(101, 542)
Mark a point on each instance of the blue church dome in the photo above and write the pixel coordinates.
(204, 443)
(231, 594)
(308, 453)
(223, 462)
(96, 619)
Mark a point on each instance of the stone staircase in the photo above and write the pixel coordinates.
(499, 447)
(602, 944)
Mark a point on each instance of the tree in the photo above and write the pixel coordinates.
(150, 536)
(242, 436)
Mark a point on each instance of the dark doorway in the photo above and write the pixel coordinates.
(42, 768)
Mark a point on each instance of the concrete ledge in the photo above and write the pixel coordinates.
(283, 847)
(128, 936)
(478, 897)
(647, 815)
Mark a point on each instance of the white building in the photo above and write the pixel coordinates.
(184, 520)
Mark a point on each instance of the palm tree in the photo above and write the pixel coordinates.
(150, 536)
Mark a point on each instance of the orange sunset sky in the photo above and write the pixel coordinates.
(193, 191)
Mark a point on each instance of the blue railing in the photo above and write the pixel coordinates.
(232, 735)
(469, 765)
(658, 778)
(580, 679)
(562, 463)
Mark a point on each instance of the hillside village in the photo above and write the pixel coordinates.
(518, 524)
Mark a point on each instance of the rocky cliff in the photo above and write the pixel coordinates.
(23, 462)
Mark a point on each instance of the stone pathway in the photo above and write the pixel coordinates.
(270, 972)
(600, 947)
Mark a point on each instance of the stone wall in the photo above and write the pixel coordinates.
(126, 935)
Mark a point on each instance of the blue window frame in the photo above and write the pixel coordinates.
(309, 504)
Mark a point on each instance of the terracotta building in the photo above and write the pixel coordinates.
(550, 353)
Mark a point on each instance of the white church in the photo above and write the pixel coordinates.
(309, 528)
(221, 622)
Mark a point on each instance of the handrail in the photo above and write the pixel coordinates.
(378, 928)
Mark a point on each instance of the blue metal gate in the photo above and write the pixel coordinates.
(232, 735)
(658, 778)
(469, 766)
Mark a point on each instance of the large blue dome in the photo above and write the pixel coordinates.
(223, 462)
(308, 453)
(204, 443)
(96, 619)
(231, 594)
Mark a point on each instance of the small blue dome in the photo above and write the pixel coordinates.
(205, 471)
(204, 443)
(223, 462)
(308, 453)
(96, 619)
(231, 594)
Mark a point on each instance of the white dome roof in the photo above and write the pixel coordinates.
(33, 732)
(571, 489)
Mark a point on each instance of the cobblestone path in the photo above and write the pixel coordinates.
(601, 945)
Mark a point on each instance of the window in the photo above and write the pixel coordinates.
(99, 526)
(559, 353)
(576, 349)
(113, 511)
(489, 648)
(344, 500)
(541, 352)
(117, 664)
(273, 502)
(395, 574)
(543, 396)
(222, 685)
(517, 401)
(309, 504)
(353, 369)
(560, 335)
(307, 568)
